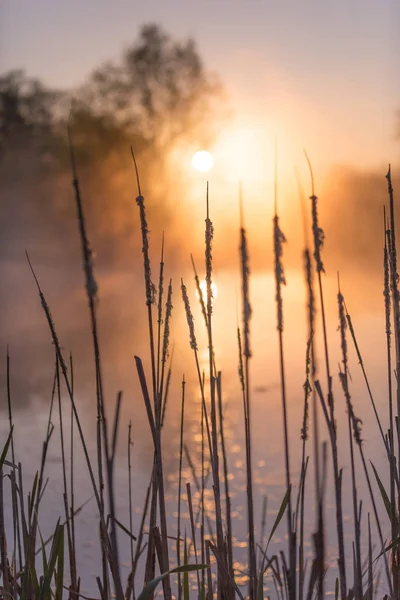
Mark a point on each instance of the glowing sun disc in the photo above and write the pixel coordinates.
(203, 287)
(202, 161)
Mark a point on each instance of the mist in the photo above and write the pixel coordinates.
(39, 216)
(38, 212)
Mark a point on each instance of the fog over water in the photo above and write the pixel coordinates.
(123, 333)
(257, 84)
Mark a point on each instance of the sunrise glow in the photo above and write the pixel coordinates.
(203, 287)
(202, 161)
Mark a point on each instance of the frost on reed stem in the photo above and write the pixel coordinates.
(279, 240)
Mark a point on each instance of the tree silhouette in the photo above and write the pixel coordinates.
(27, 111)
(160, 91)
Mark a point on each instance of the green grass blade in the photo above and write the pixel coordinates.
(260, 588)
(58, 539)
(60, 568)
(186, 591)
(44, 557)
(150, 588)
(5, 449)
(384, 495)
(280, 514)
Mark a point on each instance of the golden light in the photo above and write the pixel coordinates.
(244, 152)
(202, 161)
(203, 287)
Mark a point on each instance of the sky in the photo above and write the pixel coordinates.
(320, 74)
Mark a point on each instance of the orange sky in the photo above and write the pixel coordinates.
(323, 75)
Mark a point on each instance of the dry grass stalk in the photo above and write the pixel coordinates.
(199, 291)
(194, 347)
(395, 298)
(278, 240)
(104, 535)
(229, 534)
(355, 426)
(244, 374)
(159, 363)
(158, 481)
(92, 291)
(178, 541)
(319, 236)
(165, 352)
(225, 587)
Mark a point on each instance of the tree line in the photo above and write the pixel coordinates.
(157, 94)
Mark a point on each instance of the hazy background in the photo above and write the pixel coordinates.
(325, 74)
(318, 75)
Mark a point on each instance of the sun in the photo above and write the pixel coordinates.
(202, 161)
(203, 287)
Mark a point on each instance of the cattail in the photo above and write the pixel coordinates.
(386, 282)
(168, 311)
(311, 298)
(199, 291)
(342, 327)
(307, 391)
(279, 239)
(160, 315)
(160, 285)
(189, 317)
(209, 238)
(91, 284)
(240, 368)
(150, 287)
(318, 233)
(357, 424)
(50, 321)
(343, 375)
(247, 311)
(88, 255)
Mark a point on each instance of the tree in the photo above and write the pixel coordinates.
(159, 92)
(27, 110)
(158, 95)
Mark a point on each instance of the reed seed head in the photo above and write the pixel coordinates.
(247, 311)
(240, 369)
(307, 391)
(168, 311)
(318, 233)
(209, 238)
(279, 240)
(150, 287)
(189, 317)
